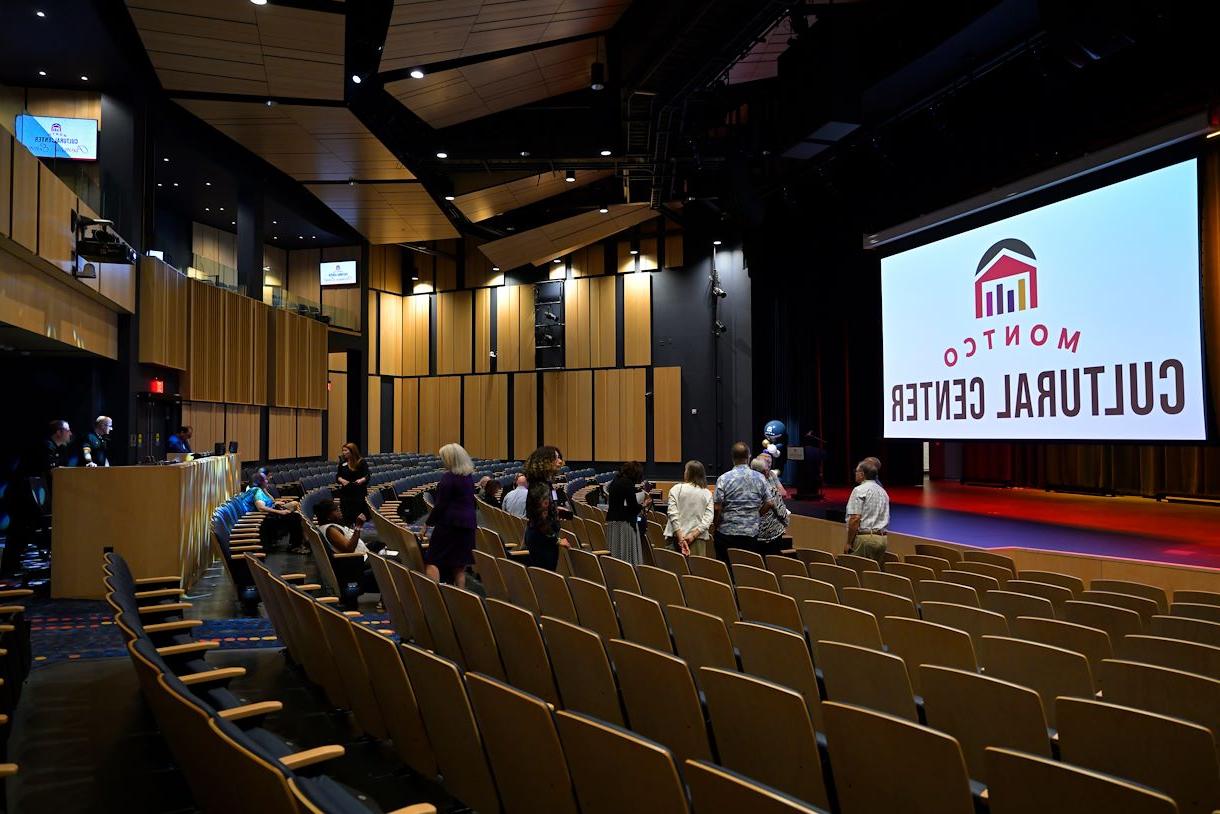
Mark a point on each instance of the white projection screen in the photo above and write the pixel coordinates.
(1079, 320)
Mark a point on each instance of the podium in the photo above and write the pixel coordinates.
(157, 517)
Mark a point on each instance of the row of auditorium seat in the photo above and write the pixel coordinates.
(1147, 717)
(230, 760)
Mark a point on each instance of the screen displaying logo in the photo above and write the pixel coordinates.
(340, 273)
(1006, 280)
(48, 137)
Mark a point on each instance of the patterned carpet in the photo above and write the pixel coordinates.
(74, 630)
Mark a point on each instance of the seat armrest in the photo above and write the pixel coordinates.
(258, 555)
(309, 586)
(347, 555)
(169, 582)
(418, 808)
(8, 769)
(242, 548)
(327, 600)
(299, 760)
(159, 593)
(186, 648)
(172, 607)
(222, 674)
(258, 710)
(171, 627)
(519, 553)
(292, 577)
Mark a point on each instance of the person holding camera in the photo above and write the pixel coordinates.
(627, 497)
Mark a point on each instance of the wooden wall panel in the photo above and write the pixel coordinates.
(260, 350)
(342, 303)
(620, 428)
(337, 361)
(591, 329)
(416, 335)
(207, 421)
(35, 301)
(25, 197)
(204, 379)
(309, 433)
(440, 412)
(648, 254)
(391, 335)
(6, 183)
(485, 416)
(373, 335)
(589, 261)
(478, 269)
(453, 332)
(304, 274)
(637, 320)
(215, 252)
(445, 271)
(238, 349)
(406, 403)
(576, 323)
(525, 414)
(73, 104)
(336, 413)
(281, 433)
(243, 425)
(385, 268)
(275, 266)
(674, 251)
(374, 401)
(298, 361)
(117, 283)
(567, 420)
(515, 328)
(162, 315)
(667, 414)
(482, 330)
(625, 261)
(56, 241)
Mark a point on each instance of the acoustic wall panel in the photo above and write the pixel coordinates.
(374, 442)
(515, 328)
(163, 315)
(667, 414)
(238, 348)
(282, 433)
(590, 329)
(440, 412)
(416, 335)
(391, 335)
(454, 325)
(373, 336)
(620, 423)
(406, 415)
(482, 330)
(485, 416)
(309, 433)
(204, 378)
(567, 415)
(243, 425)
(637, 320)
(525, 414)
(207, 421)
(336, 413)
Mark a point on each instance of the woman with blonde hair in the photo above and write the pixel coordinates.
(690, 513)
(353, 480)
(452, 520)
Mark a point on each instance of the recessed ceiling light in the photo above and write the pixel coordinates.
(40, 13)
(275, 237)
(207, 183)
(275, 223)
(356, 78)
(313, 237)
(448, 197)
(207, 209)
(416, 73)
(605, 152)
(635, 251)
(715, 242)
(442, 155)
(233, 222)
(270, 102)
(222, 209)
(84, 78)
(525, 153)
(495, 268)
(160, 184)
(414, 278)
(300, 237)
(603, 210)
(556, 260)
(165, 159)
(570, 176)
(42, 73)
(259, 2)
(175, 183)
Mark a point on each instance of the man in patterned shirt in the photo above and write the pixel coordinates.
(868, 513)
(740, 498)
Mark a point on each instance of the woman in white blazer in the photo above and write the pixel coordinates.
(690, 513)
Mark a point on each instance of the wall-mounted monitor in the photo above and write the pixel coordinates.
(56, 137)
(1078, 320)
(342, 272)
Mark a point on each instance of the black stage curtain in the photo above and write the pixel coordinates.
(1139, 469)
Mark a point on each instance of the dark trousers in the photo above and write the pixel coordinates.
(726, 541)
(276, 525)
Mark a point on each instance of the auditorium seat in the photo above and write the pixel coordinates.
(489, 575)
(921, 764)
(661, 585)
(452, 728)
(642, 620)
(660, 699)
(520, 588)
(670, 561)
(1139, 589)
(918, 642)
(418, 625)
(782, 566)
(619, 574)
(762, 730)
(867, 678)
(754, 577)
(340, 572)
(1196, 610)
(810, 556)
(716, 790)
(935, 590)
(770, 607)
(582, 671)
(1175, 757)
(1093, 643)
(981, 711)
(982, 583)
(522, 650)
(1197, 597)
(827, 621)
(586, 565)
(973, 620)
(802, 588)
(709, 568)
(1057, 595)
(594, 610)
(1115, 621)
(1012, 605)
(1146, 608)
(600, 756)
(436, 614)
(551, 591)
(781, 656)
(1073, 584)
(948, 553)
(1163, 690)
(861, 565)
(480, 652)
(701, 639)
(879, 603)
(888, 583)
(1021, 783)
(337, 635)
(740, 556)
(1184, 627)
(710, 596)
(523, 748)
(1176, 654)
(836, 575)
(990, 557)
(939, 565)
(1049, 671)
(915, 573)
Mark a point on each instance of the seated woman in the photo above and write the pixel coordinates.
(344, 540)
(280, 516)
(491, 493)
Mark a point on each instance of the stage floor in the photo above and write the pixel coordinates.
(1132, 527)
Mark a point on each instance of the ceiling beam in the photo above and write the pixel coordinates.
(474, 59)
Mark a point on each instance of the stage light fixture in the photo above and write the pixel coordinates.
(557, 260)
(448, 197)
(718, 328)
(270, 103)
(417, 73)
(1212, 134)
(40, 13)
(719, 292)
(525, 153)
(160, 184)
(84, 78)
(356, 78)
(597, 76)
(165, 159)
(605, 153)
(207, 209)
(351, 182)
(259, 2)
(415, 278)
(233, 222)
(442, 154)
(570, 176)
(495, 268)
(603, 210)
(715, 242)
(222, 209)
(42, 73)
(175, 183)
(207, 183)
(275, 223)
(634, 251)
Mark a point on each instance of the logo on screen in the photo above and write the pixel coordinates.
(57, 128)
(1006, 280)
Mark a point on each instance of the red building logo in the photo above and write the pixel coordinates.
(1006, 279)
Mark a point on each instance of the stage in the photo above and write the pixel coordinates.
(1130, 527)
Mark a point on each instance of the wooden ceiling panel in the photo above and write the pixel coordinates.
(232, 46)
(487, 203)
(540, 246)
(426, 31)
(387, 213)
(309, 143)
(462, 94)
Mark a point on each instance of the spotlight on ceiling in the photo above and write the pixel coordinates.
(40, 13)
(351, 182)
(270, 103)
(448, 197)
(442, 154)
(718, 328)
(356, 78)
(634, 251)
(414, 278)
(495, 268)
(570, 176)
(417, 73)
(557, 260)
(603, 210)
(165, 159)
(42, 73)
(605, 153)
(715, 242)
(597, 76)
(719, 292)
(525, 153)
(207, 183)
(259, 2)
(84, 78)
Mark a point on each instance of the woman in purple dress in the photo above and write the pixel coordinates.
(452, 520)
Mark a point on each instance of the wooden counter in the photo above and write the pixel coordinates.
(157, 517)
